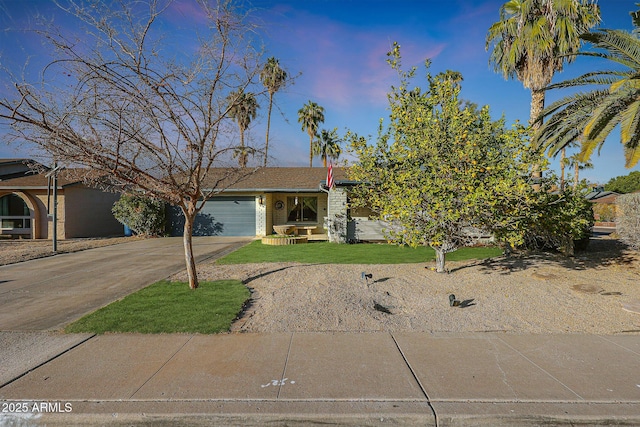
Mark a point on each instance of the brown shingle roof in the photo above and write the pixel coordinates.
(284, 179)
(39, 180)
(264, 179)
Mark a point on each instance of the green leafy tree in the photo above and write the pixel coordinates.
(243, 108)
(310, 116)
(624, 184)
(559, 220)
(534, 38)
(273, 78)
(142, 214)
(442, 169)
(611, 99)
(327, 145)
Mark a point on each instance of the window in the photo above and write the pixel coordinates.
(14, 212)
(302, 209)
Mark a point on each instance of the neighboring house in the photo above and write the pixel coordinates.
(604, 204)
(26, 202)
(272, 196)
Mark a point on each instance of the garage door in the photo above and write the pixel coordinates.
(220, 216)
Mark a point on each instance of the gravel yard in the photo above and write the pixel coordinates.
(597, 292)
(535, 294)
(17, 250)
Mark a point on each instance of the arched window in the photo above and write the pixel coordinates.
(14, 215)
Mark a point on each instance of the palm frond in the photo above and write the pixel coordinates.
(628, 122)
(619, 45)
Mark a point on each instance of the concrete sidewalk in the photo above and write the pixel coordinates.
(335, 378)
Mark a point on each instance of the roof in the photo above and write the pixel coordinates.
(14, 161)
(34, 180)
(271, 179)
(602, 196)
(283, 179)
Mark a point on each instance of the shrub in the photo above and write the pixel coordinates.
(561, 221)
(628, 224)
(605, 212)
(142, 214)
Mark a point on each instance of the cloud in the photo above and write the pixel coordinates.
(186, 12)
(345, 65)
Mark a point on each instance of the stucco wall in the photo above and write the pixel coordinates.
(36, 200)
(87, 213)
(45, 229)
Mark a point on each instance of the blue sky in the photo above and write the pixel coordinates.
(339, 49)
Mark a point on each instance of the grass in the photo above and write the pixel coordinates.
(331, 253)
(170, 307)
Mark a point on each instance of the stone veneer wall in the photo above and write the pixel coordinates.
(336, 222)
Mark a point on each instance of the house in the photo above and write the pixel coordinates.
(274, 196)
(26, 204)
(604, 205)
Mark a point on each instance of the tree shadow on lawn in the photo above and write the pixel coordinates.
(598, 254)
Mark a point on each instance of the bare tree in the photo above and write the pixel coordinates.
(131, 109)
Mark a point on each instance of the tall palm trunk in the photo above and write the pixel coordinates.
(537, 106)
(563, 155)
(187, 239)
(266, 146)
(310, 148)
(243, 154)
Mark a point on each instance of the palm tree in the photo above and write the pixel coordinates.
(533, 40)
(327, 145)
(575, 160)
(273, 78)
(310, 116)
(243, 107)
(591, 116)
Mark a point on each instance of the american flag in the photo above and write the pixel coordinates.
(330, 182)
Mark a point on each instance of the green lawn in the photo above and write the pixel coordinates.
(169, 307)
(331, 253)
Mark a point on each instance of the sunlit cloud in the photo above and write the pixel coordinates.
(345, 66)
(186, 12)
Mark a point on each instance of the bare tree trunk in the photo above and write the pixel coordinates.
(537, 105)
(576, 175)
(189, 218)
(266, 146)
(440, 259)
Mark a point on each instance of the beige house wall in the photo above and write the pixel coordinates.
(36, 200)
(87, 213)
(269, 212)
(46, 225)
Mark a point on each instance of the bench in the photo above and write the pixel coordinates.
(308, 228)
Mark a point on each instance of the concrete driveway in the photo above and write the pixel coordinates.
(48, 293)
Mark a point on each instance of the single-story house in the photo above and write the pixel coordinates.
(26, 204)
(273, 196)
(604, 205)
